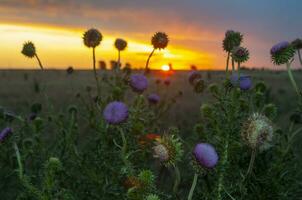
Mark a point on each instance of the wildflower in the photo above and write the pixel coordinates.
(244, 82)
(205, 155)
(5, 133)
(153, 98)
(29, 50)
(240, 54)
(151, 137)
(138, 82)
(199, 86)
(92, 38)
(115, 112)
(282, 53)
(168, 150)
(160, 40)
(193, 76)
(120, 44)
(232, 39)
(257, 132)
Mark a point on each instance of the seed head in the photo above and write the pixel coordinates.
(257, 132)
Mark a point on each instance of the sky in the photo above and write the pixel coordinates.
(196, 29)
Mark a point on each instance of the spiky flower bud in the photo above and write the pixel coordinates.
(160, 40)
(199, 86)
(257, 132)
(29, 49)
(92, 38)
(168, 149)
(120, 44)
(5, 133)
(270, 110)
(206, 110)
(152, 197)
(232, 39)
(240, 54)
(54, 164)
(297, 43)
(282, 53)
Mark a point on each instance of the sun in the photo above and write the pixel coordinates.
(165, 68)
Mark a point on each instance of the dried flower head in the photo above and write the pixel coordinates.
(92, 38)
(115, 112)
(232, 39)
(138, 82)
(282, 53)
(240, 54)
(257, 131)
(29, 49)
(160, 40)
(120, 44)
(168, 149)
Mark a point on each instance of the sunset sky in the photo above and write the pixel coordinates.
(195, 28)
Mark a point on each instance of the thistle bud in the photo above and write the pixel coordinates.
(29, 49)
(282, 53)
(232, 39)
(199, 86)
(92, 38)
(120, 44)
(240, 54)
(257, 132)
(152, 197)
(160, 40)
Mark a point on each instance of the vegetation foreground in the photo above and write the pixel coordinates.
(144, 135)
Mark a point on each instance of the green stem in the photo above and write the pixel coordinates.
(252, 160)
(291, 77)
(193, 186)
(39, 61)
(223, 166)
(227, 65)
(95, 73)
(177, 179)
(124, 151)
(300, 58)
(148, 60)
(238, 69)
(20, 166)
(119, 59)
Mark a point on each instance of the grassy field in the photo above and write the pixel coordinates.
(18, 91)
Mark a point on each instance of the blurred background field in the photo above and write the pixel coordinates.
(56, 90)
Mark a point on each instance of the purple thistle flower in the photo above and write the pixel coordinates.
(279, 47)
(153, 98)
(4, 133)
(245, 82)
(138, 82)
(206, 155)
(115, 112)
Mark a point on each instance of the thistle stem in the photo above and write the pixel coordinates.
(19, 161)
(223, 166)
(177, 179)
(227, 65)
(95, 73)
(124, 150)
(193, 186)
(238, 69)
(233, 65)
(119, 59)
(300, 58)
(148, 60)
(39, 61)
(252, 160)
(291, 77)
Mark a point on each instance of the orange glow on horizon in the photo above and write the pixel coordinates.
(59, 47)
